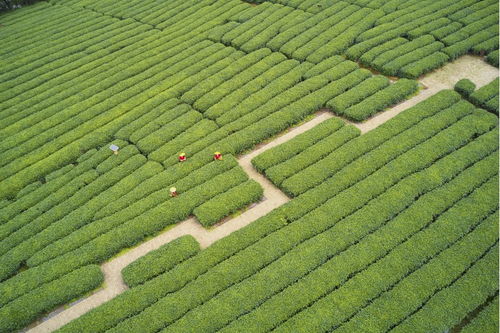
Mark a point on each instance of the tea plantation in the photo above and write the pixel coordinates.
(392, 230)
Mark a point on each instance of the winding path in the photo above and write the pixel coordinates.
(470, 67)
(113, 282)
(465, 67)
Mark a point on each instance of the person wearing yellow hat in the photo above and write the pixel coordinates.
(217, 156)
(182, 157)
(173, 192)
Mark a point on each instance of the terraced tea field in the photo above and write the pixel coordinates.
(357, 189)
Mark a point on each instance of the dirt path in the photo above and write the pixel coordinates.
(113, 283)
(469, 67)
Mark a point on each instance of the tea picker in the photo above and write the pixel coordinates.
(173, 192)
(217, 156)
(114, 148)
(182, 157)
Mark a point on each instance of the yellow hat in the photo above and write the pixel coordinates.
(216, 153)
(173, 189)
(182, 154)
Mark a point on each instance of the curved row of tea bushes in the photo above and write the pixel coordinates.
(126, 234)
(474, 7)
(492, 105)
(249, 293)
(380, 100)
(22, 311)
(278, 173)
(62, 19)
(161, 115)
(429, 28)
(177, 145)
(24, 86)
(446, 30)
(154, 140)
(71, 23)
(384, 138)
(82, 130)
(225, 9)
(463, 26)
(238, 118)
(260, 83)
(133, 205)
(29, 207)
(67, 227)
(174, 15)
(203, 148)
(398, 65)
(260, 125)
(358, 93)
(369, 56)
(334, 185)
(419, 13)
(185, 299)
(379, 62)
(248, 20)
(417, 284)
(296, 47)
(212, 97)
(162, 108)
(31, 91)
(98, 165)
(340, 43)
(336, 38)
(484, 95)
(152, 311)
(424, 65)
(12, 17)
(183, 176)
(279, 22)
(135, 300)
(419, 256)
(486, 47)
(448, 307)
(130, 305)
(235, 68)
(478, 14)
(486, 320)
(460, 48)
(310, 95)
(465, 87)
(470, 30)
(492, 58)
(246, 40)
(160, 260)
(285, 151)
(71, 214)
(228, 202)
(217, 32)
(359, 241)
(293, 31)
(24, 108)
(279, 86)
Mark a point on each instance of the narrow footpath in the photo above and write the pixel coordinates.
(469, 67)
(113, 282)
(465, 67)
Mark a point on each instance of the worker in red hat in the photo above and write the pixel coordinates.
(182, 157)
(217, 156)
